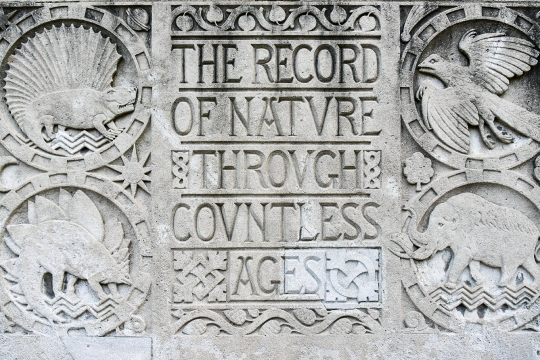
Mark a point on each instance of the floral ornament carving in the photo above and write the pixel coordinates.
(276, 321)
(274, 18)
(418, 170)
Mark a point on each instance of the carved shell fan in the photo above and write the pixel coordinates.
(57, 59)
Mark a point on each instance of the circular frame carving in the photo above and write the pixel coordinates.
(121, 200)
(408, 64)
(13, 139)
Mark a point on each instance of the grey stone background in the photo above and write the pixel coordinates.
(399, 322)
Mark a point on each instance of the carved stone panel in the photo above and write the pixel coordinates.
(469, 243)
(76, 246)
(269, 179)
(279, 175)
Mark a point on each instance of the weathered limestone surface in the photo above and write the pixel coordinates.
(240, 180)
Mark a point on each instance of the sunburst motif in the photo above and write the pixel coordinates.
(133, 173)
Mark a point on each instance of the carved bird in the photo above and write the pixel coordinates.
(471, 95)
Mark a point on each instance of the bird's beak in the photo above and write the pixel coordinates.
(425, 67)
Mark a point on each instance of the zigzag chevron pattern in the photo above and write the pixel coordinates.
(473, 297)
(78, 142)
(99, 310)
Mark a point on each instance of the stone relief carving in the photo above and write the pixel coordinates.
(138, 19)
(200, 276)
(62, 78)
(414, 321)
(274, 18)
(65, 266)
(476, 231)
(66, 241)
(418, 170)
(274, 321)
(470, 96)
(470, 236)
(76, 94)
(73, 243)
(279, 169)
(134, 172)
(433, 68)
(180, 169)
(416, 14)
(5, 18)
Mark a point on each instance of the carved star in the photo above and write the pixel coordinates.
(133, 173)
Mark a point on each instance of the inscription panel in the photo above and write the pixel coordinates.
(272, 179)
(280, 178)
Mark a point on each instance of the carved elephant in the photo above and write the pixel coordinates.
(477, 231)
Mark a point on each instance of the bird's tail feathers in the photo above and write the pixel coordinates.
(514, 116)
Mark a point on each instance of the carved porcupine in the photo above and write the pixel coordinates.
(63, 76)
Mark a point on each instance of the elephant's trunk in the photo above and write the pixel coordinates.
(419, 239)
(421, 254)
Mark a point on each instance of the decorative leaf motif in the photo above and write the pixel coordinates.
(275, 321)
(307, 22)
(342, 327)
(338, 14)
(321, 311)
(374, 313)
(276, 18)
(236, 316)
(277, 14)
(214, 14)
(271, 327)
(418, 170)
(305, 316)
(184, 23)
(196, 327)
(246, 22)
(367, 22)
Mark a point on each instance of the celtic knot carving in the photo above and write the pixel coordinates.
(180, 169)
(372, 169)
(200, 276)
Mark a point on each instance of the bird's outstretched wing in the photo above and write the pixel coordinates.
(448, 113)
(495, 58)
